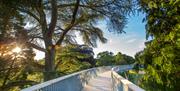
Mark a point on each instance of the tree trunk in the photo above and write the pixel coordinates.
(49, 61)
(47, 31)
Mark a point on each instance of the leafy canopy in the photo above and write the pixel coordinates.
(161, 57)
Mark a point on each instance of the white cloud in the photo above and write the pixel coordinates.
(131, 41)
(129, 45)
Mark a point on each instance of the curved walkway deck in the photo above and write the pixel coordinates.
(102, 82)
(103, 78)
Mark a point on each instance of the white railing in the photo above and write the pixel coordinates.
(72, 82)
(76, 81)
(121, 84)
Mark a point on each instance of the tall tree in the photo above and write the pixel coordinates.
(161, 57)
(54, 22)
(121, 59)
(105, 58)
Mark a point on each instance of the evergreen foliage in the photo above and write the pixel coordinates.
(107, 58)
(161, 56)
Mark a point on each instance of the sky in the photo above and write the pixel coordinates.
(128, 43)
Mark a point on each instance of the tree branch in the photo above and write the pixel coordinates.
(52, 25)
(33, 37)
(42, 17)
(87, 6)
(36, 47)
(30, 14)
(71, 24)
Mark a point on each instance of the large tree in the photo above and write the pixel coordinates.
(162, 54)
(122, 59)
(53, 22)
(105, 58)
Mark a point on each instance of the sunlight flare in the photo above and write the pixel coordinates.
(17, 50)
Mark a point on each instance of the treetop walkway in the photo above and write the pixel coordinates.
(95, 79)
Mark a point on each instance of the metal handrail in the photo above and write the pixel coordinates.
(76, 81)
(79, 78)
(119, 83)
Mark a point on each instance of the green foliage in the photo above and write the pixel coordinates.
(133, 76)
(161, 55)
(72, 58)
(15, 67)
(122, 59)
(71, 66)
(107, 58)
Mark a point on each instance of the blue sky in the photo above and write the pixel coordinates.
(129, 43)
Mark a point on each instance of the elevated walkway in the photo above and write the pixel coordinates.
(95, 79)
(103, 82)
